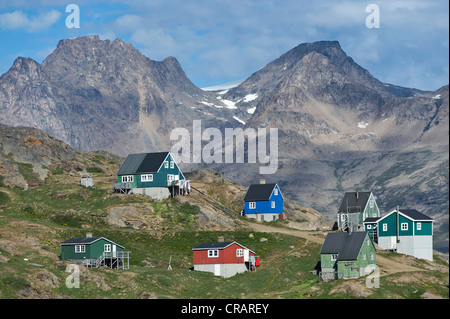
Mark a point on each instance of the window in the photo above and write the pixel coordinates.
(169, 177)
(166, 164)
(127, 179)
(367, 242)
(273, 204)
(343, 218)
(80, 248)
(334, 257)
(172, 165)
(384, 227)
(239, 252)
(369, 226)
(147, 178)
(371, 203)
(252, 205)
(364, 257)
(419, 226)
(404, 226)
(213, 253)
(276, 191)
(107, 248)
(371, 256)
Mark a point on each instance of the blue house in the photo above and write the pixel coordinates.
(264, 202)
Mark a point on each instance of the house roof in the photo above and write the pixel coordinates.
(142, 163)
(218, 245)
(86, 241)
(411, 214)
(371, 220)
(354, 202)
(415, 215)
(346, 245)
(258, 192)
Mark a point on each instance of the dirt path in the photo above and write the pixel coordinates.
(387, 265)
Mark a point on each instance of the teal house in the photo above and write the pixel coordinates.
(347, 255)
(356, 207)
(406, 231)
(154, 174)
(95, 252)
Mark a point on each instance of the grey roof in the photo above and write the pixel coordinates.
(217, 245)
(258, 192)
(354, 202)
(346, 245)
(85, 241)
(414, 214)
(371, 219)
(142, 163)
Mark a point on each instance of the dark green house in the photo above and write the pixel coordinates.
(154, 174)
(347, 255)
(95, 252)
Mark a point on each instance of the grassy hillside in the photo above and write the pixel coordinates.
(35, 221)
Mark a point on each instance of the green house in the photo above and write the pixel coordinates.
(154, 174)
(95, 252)
(347, 255)
(355, 207)
(406, 231)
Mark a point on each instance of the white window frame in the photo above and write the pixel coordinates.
(419, 226)
(213, 253)
(166, 164)
(107, 248)
(364, 257)
(369, 226)
(385, 227)
(252, 205)
(367, 242)
(334, 257)
(147, 178)
(272, 204)
(404, 226)
(275, 192)
(80, 249)
(371, 256)
(172, 164)
(127, 179)
(239, 253)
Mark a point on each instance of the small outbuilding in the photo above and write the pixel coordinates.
(224, 259)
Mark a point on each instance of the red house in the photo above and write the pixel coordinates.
(224, 259)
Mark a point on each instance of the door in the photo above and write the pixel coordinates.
(246, 255)
(217, 269)
(114, 250)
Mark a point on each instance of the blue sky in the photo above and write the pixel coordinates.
(223, 41)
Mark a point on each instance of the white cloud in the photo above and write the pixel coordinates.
(20, 20)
